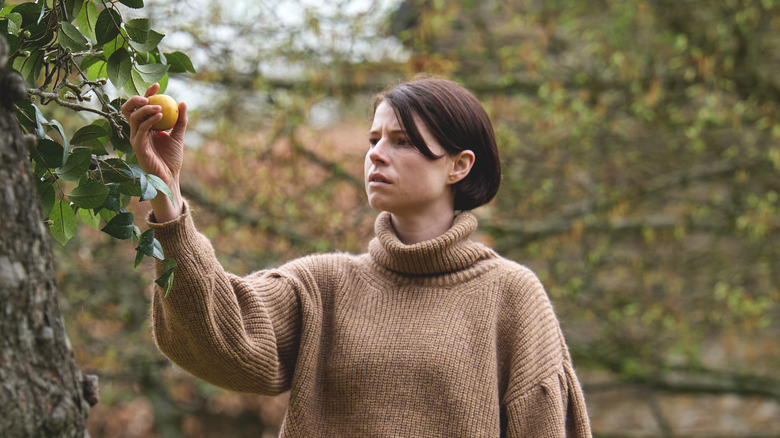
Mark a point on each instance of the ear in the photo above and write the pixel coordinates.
(461, 166)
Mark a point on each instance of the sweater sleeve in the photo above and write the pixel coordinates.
(543, 397)
(554, 408)
(240, 333)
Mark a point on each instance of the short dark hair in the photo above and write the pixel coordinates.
(458, 122)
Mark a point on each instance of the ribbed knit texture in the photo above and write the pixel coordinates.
(439, 339)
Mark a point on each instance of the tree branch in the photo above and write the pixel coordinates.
(54, 97)
(242, 216)
(571, 216)
(697, 382)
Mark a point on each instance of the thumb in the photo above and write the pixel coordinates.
(177, 133)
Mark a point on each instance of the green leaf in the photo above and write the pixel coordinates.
(120, 226)
(48, 195)
(38, 170)
(97, 71)
(148, 191)
(72, 8)
(62, 222)
(132, 189)
(71, 38)
(40, 32)
(39, 122)
(145, 189)
(89, 61)
(139, 256)
(13, 32)
(135, 4)
(88, 216)
(120, 42)
(136, 84)
(152, 73)
(163, 84)
(76, 165)
(166, 279)
(107, 215)
(146, 246)
(92, 136)
(14, 23)
(146, 243)
(57, 125)
(179, 62)
(107, 25)
(30, 67)
(43, 12)
(113, 170)
(87, 20)
(112, 202)
(88, 194)
(49, 153)
(138, 29)
(29, 12)
(39, 117)
(119, 67)
(88, 134)
(160, 185)
(157, 251)
(152, 40)
(26, 114)
(12, 40)
(124, 200)
(120, 144)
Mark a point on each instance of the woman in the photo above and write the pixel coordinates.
(428, 334)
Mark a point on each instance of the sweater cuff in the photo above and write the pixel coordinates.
(173, 233)
(152, 222)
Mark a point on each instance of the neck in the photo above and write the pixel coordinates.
(416, 228)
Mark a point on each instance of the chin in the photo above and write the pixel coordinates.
(379, 204)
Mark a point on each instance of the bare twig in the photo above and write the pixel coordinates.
(54, 97)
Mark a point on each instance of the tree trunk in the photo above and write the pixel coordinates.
(41, 389)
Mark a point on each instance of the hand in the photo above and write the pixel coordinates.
(159, 153)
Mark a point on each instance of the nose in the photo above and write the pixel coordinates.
(378, 153)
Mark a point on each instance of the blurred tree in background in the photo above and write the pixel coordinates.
(641, 149)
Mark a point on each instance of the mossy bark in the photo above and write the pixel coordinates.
(41, 389)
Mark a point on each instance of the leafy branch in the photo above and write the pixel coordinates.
(67, 51)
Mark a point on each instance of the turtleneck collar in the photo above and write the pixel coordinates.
(450, 252)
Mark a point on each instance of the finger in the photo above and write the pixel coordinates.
(152, 90)
(142, 119)
(146, 123)
(132, 104)
(181, 124)
(143, 114)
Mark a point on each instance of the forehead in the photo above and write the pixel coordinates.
(385, 117)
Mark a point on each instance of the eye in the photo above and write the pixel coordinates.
(403, 141)
(373, 141)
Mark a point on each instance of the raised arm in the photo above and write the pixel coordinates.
(159, 153)
(241, 333)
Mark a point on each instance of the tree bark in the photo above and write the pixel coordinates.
(41, 389)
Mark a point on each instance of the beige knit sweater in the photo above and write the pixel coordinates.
(439, 339)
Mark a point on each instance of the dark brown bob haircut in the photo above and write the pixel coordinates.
(458, 122)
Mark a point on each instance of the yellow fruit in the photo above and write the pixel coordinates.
(170, 111)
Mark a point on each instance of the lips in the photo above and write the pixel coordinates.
(376, 179)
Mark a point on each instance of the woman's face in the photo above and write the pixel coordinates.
(399, 178)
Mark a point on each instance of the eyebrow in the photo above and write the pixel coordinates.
(394, 131)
